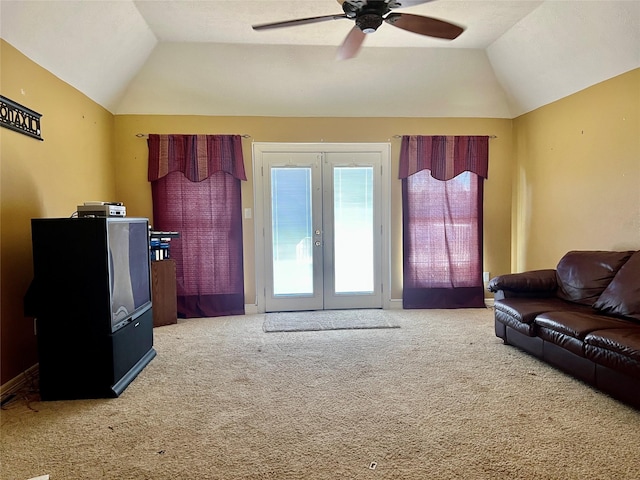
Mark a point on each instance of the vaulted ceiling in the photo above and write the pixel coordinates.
(202, 57)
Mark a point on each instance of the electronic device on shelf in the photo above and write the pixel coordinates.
(163, 235)
(160, 243)
(102, 209)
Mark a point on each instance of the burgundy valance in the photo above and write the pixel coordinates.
(445, 156)
(196, 156)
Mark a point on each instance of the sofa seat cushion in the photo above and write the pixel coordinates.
(568, 329)
(618, 349)
(519, 313)
(583, 275)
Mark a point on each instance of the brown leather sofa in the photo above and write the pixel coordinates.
(582, 317)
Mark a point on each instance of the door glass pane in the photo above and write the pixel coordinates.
(291, 231)
(353, 229)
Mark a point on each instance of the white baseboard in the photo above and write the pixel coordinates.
(250, 309)
(396, 303)
(16, 384)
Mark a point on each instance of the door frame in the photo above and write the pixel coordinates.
(258, 148)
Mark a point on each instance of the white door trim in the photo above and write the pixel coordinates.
(384, 149)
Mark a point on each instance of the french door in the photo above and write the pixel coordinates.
(323, 233)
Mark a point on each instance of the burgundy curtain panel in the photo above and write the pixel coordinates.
(195, 186)
(442, 191)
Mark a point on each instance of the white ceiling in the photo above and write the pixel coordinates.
(202, 57)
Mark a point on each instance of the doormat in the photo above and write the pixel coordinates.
(313, 321)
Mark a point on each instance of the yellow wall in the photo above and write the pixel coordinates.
(135, 192)
(43, 179)
(578, 174)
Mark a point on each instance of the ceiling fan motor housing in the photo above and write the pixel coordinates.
(368, 14)
(369, 22)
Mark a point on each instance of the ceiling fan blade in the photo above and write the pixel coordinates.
(351, 44)
(431, 27)
(299, 21)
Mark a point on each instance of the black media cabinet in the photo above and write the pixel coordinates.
(74, 365)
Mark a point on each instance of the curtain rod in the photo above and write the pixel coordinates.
(146, 135)
(490, 136)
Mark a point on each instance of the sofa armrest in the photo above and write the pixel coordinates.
(534, 283)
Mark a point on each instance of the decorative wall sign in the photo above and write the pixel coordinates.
(19, 118)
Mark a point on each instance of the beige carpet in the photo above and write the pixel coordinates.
(328, 320)
(438, 398)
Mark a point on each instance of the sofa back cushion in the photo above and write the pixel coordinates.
(622, 296)
(582, 276)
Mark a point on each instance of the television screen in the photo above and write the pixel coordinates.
(129, 269)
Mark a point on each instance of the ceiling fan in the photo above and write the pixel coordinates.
(369, 15)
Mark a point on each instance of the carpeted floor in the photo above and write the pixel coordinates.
(438, 398)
